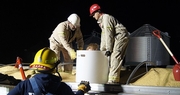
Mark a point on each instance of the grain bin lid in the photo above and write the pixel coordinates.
(146, 30)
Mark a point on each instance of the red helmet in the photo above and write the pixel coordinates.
(94, 8)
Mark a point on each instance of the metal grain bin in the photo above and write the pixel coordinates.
(144, 46)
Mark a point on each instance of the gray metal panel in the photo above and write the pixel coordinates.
(148, 48)
(4, 89)
(153, 90)
(104, 89)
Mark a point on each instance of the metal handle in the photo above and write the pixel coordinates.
(157, 33)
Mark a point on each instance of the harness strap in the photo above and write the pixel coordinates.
(36, 87)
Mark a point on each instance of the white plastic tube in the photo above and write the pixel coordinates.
(91, 66)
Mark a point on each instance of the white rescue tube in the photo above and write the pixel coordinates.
(91, 66)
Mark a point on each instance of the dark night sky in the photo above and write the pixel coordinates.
(26, 25)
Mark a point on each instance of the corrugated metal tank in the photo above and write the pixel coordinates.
(144, 46)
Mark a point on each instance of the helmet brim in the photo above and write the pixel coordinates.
(92, 14)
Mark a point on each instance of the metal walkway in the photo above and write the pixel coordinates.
(107, 89)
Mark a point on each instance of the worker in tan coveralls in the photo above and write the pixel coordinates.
(62, 37)
(114, 40)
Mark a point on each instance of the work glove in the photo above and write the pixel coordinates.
(72, 54)
(84, 86)
(107, 53)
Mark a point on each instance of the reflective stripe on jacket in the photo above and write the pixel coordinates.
(110, 28)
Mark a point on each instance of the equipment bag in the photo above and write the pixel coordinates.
(36, 87)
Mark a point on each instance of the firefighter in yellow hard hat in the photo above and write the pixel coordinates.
(45, 60)
(114, 40)
(62, 38)
(45, 82)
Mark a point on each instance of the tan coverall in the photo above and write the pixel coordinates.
(114, 38)
(61, 41)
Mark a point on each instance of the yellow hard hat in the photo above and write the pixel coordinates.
(45, 59)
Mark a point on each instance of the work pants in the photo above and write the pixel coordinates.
(116, 59)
